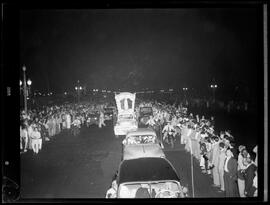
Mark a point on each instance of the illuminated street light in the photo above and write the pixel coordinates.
(76, 88)
(29, 82)
(25, 87)
(214, 87)
(80, 88)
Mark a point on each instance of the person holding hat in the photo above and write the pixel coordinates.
(230, 174)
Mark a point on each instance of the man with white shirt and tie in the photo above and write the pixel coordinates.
(230, 174)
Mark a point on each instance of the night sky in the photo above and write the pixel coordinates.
(155, 48)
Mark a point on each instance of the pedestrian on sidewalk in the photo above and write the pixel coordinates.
(230, 174)
(240, 169)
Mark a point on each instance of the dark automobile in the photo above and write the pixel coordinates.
(156, 176)
(92, 119)
(145, 114)
(109, 113)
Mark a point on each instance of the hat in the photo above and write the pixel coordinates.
(241, 148)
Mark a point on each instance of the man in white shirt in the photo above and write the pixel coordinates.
(36, 140)
(23, 137)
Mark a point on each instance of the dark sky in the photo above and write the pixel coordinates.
(156, 48)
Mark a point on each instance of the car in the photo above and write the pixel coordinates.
(142, 143)
(144, 115)
(109, 113)
(92, 119)
(126, 119)
(148, 178)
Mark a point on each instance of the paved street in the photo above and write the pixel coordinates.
(83, 167)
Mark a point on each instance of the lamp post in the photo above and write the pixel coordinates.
(185, 93)
(214, 87)
(78, 88)
(25, 86)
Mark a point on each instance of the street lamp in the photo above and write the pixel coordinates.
(25, 88)
(29, 82)
(185, 94)
(78, 88)
(214, 87)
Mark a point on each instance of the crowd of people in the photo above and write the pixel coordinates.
(233, 169)
(41, 125)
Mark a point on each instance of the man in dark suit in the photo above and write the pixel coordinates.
(230, 174)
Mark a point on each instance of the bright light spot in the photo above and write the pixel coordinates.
(20, 83)
(29, 82)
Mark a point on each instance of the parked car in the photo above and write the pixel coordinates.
(126, 120)
(148, 178)
(142, 143)
(144, 115)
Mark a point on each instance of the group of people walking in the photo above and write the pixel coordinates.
(41, 125)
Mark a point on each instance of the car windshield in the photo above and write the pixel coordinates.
(168, 189)
(146, 110)
(125, 117)
(141, 139)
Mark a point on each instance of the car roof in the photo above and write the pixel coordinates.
(142, 151)
(146, 169)
(141, 131)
